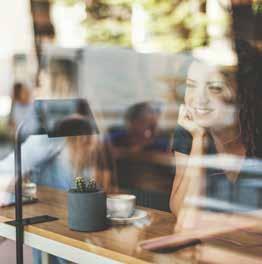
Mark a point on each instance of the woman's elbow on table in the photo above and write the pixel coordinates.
(172, 206)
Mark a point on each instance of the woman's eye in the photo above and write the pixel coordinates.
(190, 85)
(216, 89)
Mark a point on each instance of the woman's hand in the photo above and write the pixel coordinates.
(185, 119)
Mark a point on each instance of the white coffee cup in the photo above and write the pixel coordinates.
(120, 205)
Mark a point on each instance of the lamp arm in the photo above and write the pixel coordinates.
(22, 133)
(18, 196)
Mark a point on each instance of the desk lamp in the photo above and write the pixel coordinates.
(55, 118)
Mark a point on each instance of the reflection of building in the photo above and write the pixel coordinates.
(23, 69)
(63, 72)
(16, 37)
(114, 78)
(62, 68)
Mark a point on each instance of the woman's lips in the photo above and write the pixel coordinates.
(203, 111)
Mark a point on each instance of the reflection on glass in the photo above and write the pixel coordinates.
(209, 115)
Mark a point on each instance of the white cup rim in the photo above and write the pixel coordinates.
(121, 196)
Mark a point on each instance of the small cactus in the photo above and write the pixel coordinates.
(82, 186)
(91, 185)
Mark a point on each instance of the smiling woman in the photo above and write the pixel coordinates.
(218, 117)
(210, 97)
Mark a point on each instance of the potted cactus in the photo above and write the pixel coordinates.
(86, 206)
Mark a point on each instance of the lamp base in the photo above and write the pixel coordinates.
(34, 220)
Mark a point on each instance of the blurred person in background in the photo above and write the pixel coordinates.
(21, 104)
(141, 130)
(220, 119)
(141, 153)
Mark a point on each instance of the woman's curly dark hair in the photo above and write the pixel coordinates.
(249, 97)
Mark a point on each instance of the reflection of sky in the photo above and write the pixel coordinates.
(242, 195)
(67, 21)
(5, 102)
(16, 37)
(123, 77)
(217, 205)
(224, 162)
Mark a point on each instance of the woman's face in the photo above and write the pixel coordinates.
(209, 98)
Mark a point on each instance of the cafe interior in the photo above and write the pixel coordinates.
(130, 131)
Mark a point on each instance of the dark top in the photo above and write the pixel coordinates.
(221, 194)
(120, 138)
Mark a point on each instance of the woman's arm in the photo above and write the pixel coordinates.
(177, 194)
(189, 180)
(35, 151)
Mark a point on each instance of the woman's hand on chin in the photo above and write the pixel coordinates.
(185, 119)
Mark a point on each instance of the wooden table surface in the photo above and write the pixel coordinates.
(120, 243)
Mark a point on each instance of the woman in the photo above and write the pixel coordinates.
(219, 117)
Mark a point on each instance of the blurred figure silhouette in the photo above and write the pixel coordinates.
(140, 151)
(141, 130)
(21, 104)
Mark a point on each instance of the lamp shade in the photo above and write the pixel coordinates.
(60, 118)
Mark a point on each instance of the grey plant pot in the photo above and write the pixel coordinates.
(87, 211)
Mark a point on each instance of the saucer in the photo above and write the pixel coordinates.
(138, 215)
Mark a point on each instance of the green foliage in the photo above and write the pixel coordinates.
(173, 25)
(176, 25)
(4, 130)
(91, 186)
(257, 7)
(82, 186)
(67, 2)
(109, 21)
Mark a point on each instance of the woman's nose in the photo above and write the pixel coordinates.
(202, 96)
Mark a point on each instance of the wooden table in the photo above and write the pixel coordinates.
(118, 244)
